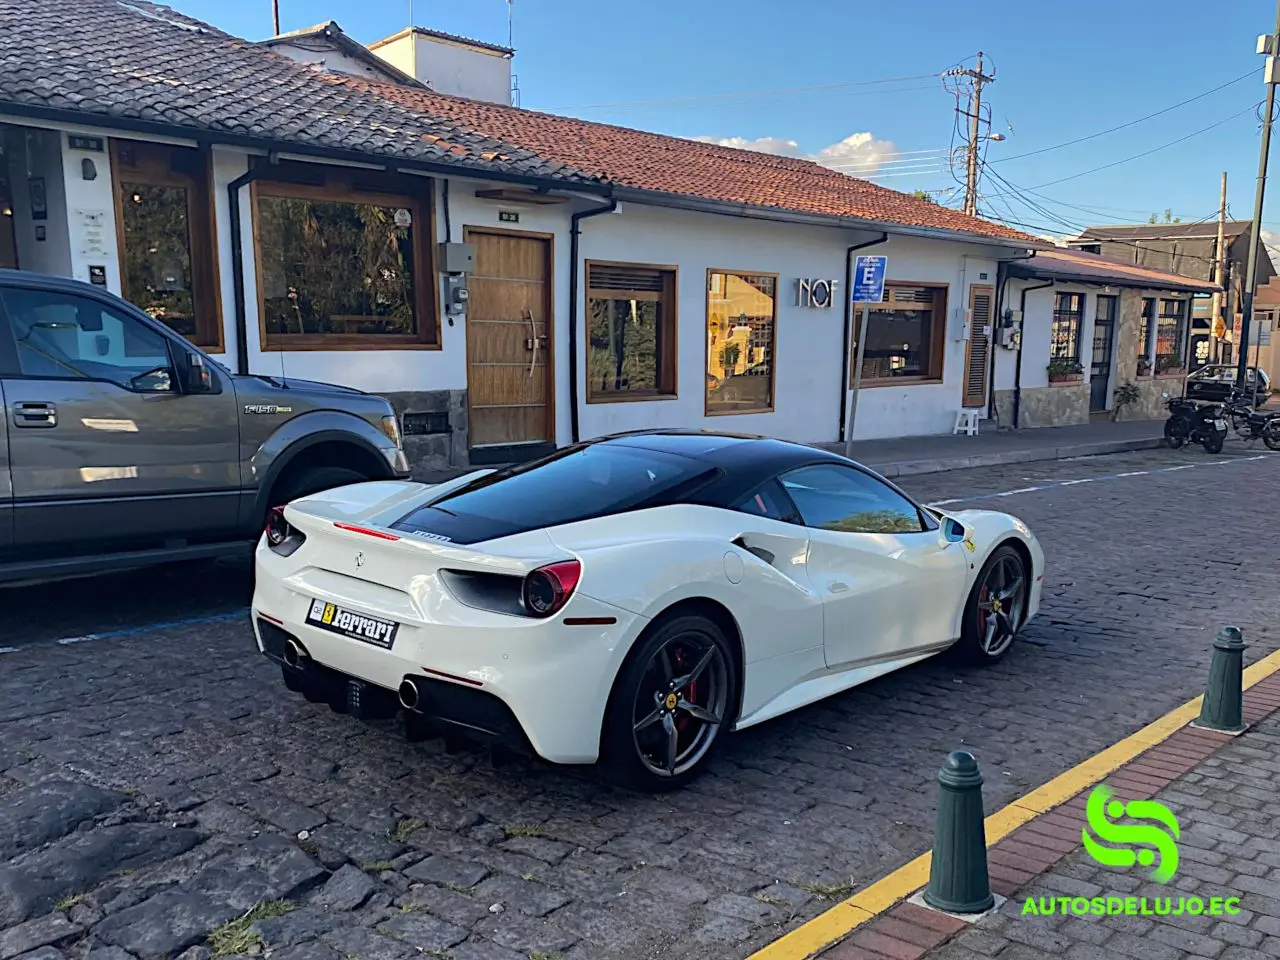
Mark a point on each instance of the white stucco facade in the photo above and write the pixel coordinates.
(808, 344)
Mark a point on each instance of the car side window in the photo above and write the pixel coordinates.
(769, 501)
(834, 497)
(67, 337)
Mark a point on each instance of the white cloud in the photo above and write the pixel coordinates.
(859, 154)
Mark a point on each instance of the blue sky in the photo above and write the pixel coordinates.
(1064, 72)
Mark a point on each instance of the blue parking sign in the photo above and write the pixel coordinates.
(868, 279)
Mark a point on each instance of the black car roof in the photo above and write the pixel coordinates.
(729, 451)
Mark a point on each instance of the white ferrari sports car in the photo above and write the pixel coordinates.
(629, 599)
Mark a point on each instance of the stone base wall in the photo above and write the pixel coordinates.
(1151, 398)
(1058, 405)
(443, 414)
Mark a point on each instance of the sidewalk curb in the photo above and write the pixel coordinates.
(905, 468)
(1024, 839)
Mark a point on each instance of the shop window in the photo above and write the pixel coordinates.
(165, 220)
(343, 264)
(1171, 335)
(1144, 337)
(631, 332)
(1064, 334)
(742, 310)
(904, 334)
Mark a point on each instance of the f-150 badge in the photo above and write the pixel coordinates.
(267, 408)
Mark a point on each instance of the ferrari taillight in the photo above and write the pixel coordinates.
(281, 537)
(548, 589)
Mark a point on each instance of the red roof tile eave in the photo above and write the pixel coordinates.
(699, 203)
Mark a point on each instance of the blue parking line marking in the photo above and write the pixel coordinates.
(124, 632)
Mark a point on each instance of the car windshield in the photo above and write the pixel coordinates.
(575, 484)
(1220, 372)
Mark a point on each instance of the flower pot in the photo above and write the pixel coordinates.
(1066, 378)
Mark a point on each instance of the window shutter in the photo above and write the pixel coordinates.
(977, 353)
(624, 279)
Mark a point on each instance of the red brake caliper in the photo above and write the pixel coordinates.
(691, 693)
(983, 596)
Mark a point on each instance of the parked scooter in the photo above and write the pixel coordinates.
(1253, 424)
(1191, 422)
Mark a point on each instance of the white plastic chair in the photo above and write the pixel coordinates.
(966, 423)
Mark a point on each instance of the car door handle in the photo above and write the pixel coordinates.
(838, 587)
(34, 414)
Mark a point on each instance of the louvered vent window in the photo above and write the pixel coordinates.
(905, 334)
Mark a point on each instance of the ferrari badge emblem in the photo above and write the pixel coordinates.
(969, 544)
(995, 606)
(672, 700)
(360, 559)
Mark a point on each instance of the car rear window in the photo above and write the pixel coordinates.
(573, 485)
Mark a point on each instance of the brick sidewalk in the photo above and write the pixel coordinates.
(1223, 790)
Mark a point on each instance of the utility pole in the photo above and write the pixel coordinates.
(974, 113)
(1219, 269)
(1269, 46)
(275, 16)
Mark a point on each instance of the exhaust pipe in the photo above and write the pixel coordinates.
(409, 694)
(294, 655)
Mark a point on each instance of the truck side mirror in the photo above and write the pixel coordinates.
(198, 377)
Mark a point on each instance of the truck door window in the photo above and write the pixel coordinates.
(65, 337)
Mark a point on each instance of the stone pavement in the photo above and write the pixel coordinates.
(1221, 789)
(157, 783)
(991, 447)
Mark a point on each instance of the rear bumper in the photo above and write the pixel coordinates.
(540, 684)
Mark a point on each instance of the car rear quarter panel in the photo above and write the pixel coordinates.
(649, 561)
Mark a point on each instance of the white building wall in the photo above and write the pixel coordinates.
(463, 71)
(91, 213)
(38, 154)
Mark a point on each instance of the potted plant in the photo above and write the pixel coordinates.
(1065, 371)
(1144, 366)
(1125, 395)
(1169, 365)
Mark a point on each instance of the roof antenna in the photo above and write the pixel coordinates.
(411, 14)
(511, 33)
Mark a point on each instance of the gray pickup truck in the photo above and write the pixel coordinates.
(121, 444)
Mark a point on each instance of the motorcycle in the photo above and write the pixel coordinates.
(1253, 424)
(1191, 422)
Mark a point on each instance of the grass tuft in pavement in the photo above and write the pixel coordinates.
(406, 829)
(827, 891)
(236, 938)
(523, 830)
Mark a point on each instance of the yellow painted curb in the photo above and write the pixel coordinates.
(838, 922)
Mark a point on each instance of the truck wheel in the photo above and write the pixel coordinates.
(315, 480)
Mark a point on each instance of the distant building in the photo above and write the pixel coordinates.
(1190, 250)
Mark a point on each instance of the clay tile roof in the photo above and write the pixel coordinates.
(1081, 267)
(672, 165)
(139, 61)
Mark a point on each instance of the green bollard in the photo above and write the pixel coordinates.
(1223, 706)
(958, 880)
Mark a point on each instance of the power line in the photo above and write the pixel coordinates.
(752, 93)
(1131, 123)
(1147, 153)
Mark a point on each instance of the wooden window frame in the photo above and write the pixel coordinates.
(1078, 317)
(937, 338)
(1182, 329)
(706, 343)
(155, 167)
(668, 361)
(307, 181)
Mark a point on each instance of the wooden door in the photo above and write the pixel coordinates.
(977, 354)
(509, 339)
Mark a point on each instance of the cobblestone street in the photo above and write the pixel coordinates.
(204, 794)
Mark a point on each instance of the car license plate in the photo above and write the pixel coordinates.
(355, 626)
(1219, 424)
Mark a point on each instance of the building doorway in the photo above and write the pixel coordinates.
(510, 361)
(1104, 330)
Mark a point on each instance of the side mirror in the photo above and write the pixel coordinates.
(199, 379)
(953, 530)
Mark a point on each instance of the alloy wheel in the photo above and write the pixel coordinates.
(1000, 605)
(680, 704)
